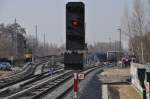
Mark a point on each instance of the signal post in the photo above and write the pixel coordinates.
(75, 40)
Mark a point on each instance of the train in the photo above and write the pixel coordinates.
(28, 57)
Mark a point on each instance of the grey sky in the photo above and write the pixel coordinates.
(103, 17)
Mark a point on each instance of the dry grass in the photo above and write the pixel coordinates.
(4, 74)
(126, 92)
(116, 72)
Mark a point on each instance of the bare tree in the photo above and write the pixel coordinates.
(135, 28)
(8, 40)
(103, 47)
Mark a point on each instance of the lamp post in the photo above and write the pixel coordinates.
(120, 33)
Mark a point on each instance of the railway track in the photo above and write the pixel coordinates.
(17, 86)
(16, 77)
(21, 76)
(26, 71)
(31, 89)
(43, 87)
(69, 89)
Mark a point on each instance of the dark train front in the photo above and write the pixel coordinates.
(28, 57)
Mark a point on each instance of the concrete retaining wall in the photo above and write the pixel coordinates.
(134, 75)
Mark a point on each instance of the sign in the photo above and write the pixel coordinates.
(75, 36)
(81, 76)
(75, 26)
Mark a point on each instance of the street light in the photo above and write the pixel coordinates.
(120, 37)
(119, 29)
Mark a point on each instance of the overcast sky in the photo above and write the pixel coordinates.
(103, 18)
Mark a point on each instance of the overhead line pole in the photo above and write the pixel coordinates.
(16, 37)
(110, 44)
(44, 40)
(45, 51)
(34, 51)
(36, 35)
(120, 33)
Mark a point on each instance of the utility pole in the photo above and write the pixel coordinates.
(116, 53)
(36, 35)
(45, 51)
(36, 42)
(16, 39)
(120, 41)
(109, 43)
(120, 38)
(15, 20)
(44, 40)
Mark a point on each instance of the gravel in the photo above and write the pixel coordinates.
(59, 90)
(90, 88)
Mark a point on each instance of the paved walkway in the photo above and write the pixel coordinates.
(92, 87)
(119, 90)
(89, 88)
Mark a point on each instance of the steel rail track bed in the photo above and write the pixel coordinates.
(38, 88)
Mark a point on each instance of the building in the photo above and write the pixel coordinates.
(12, 45)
